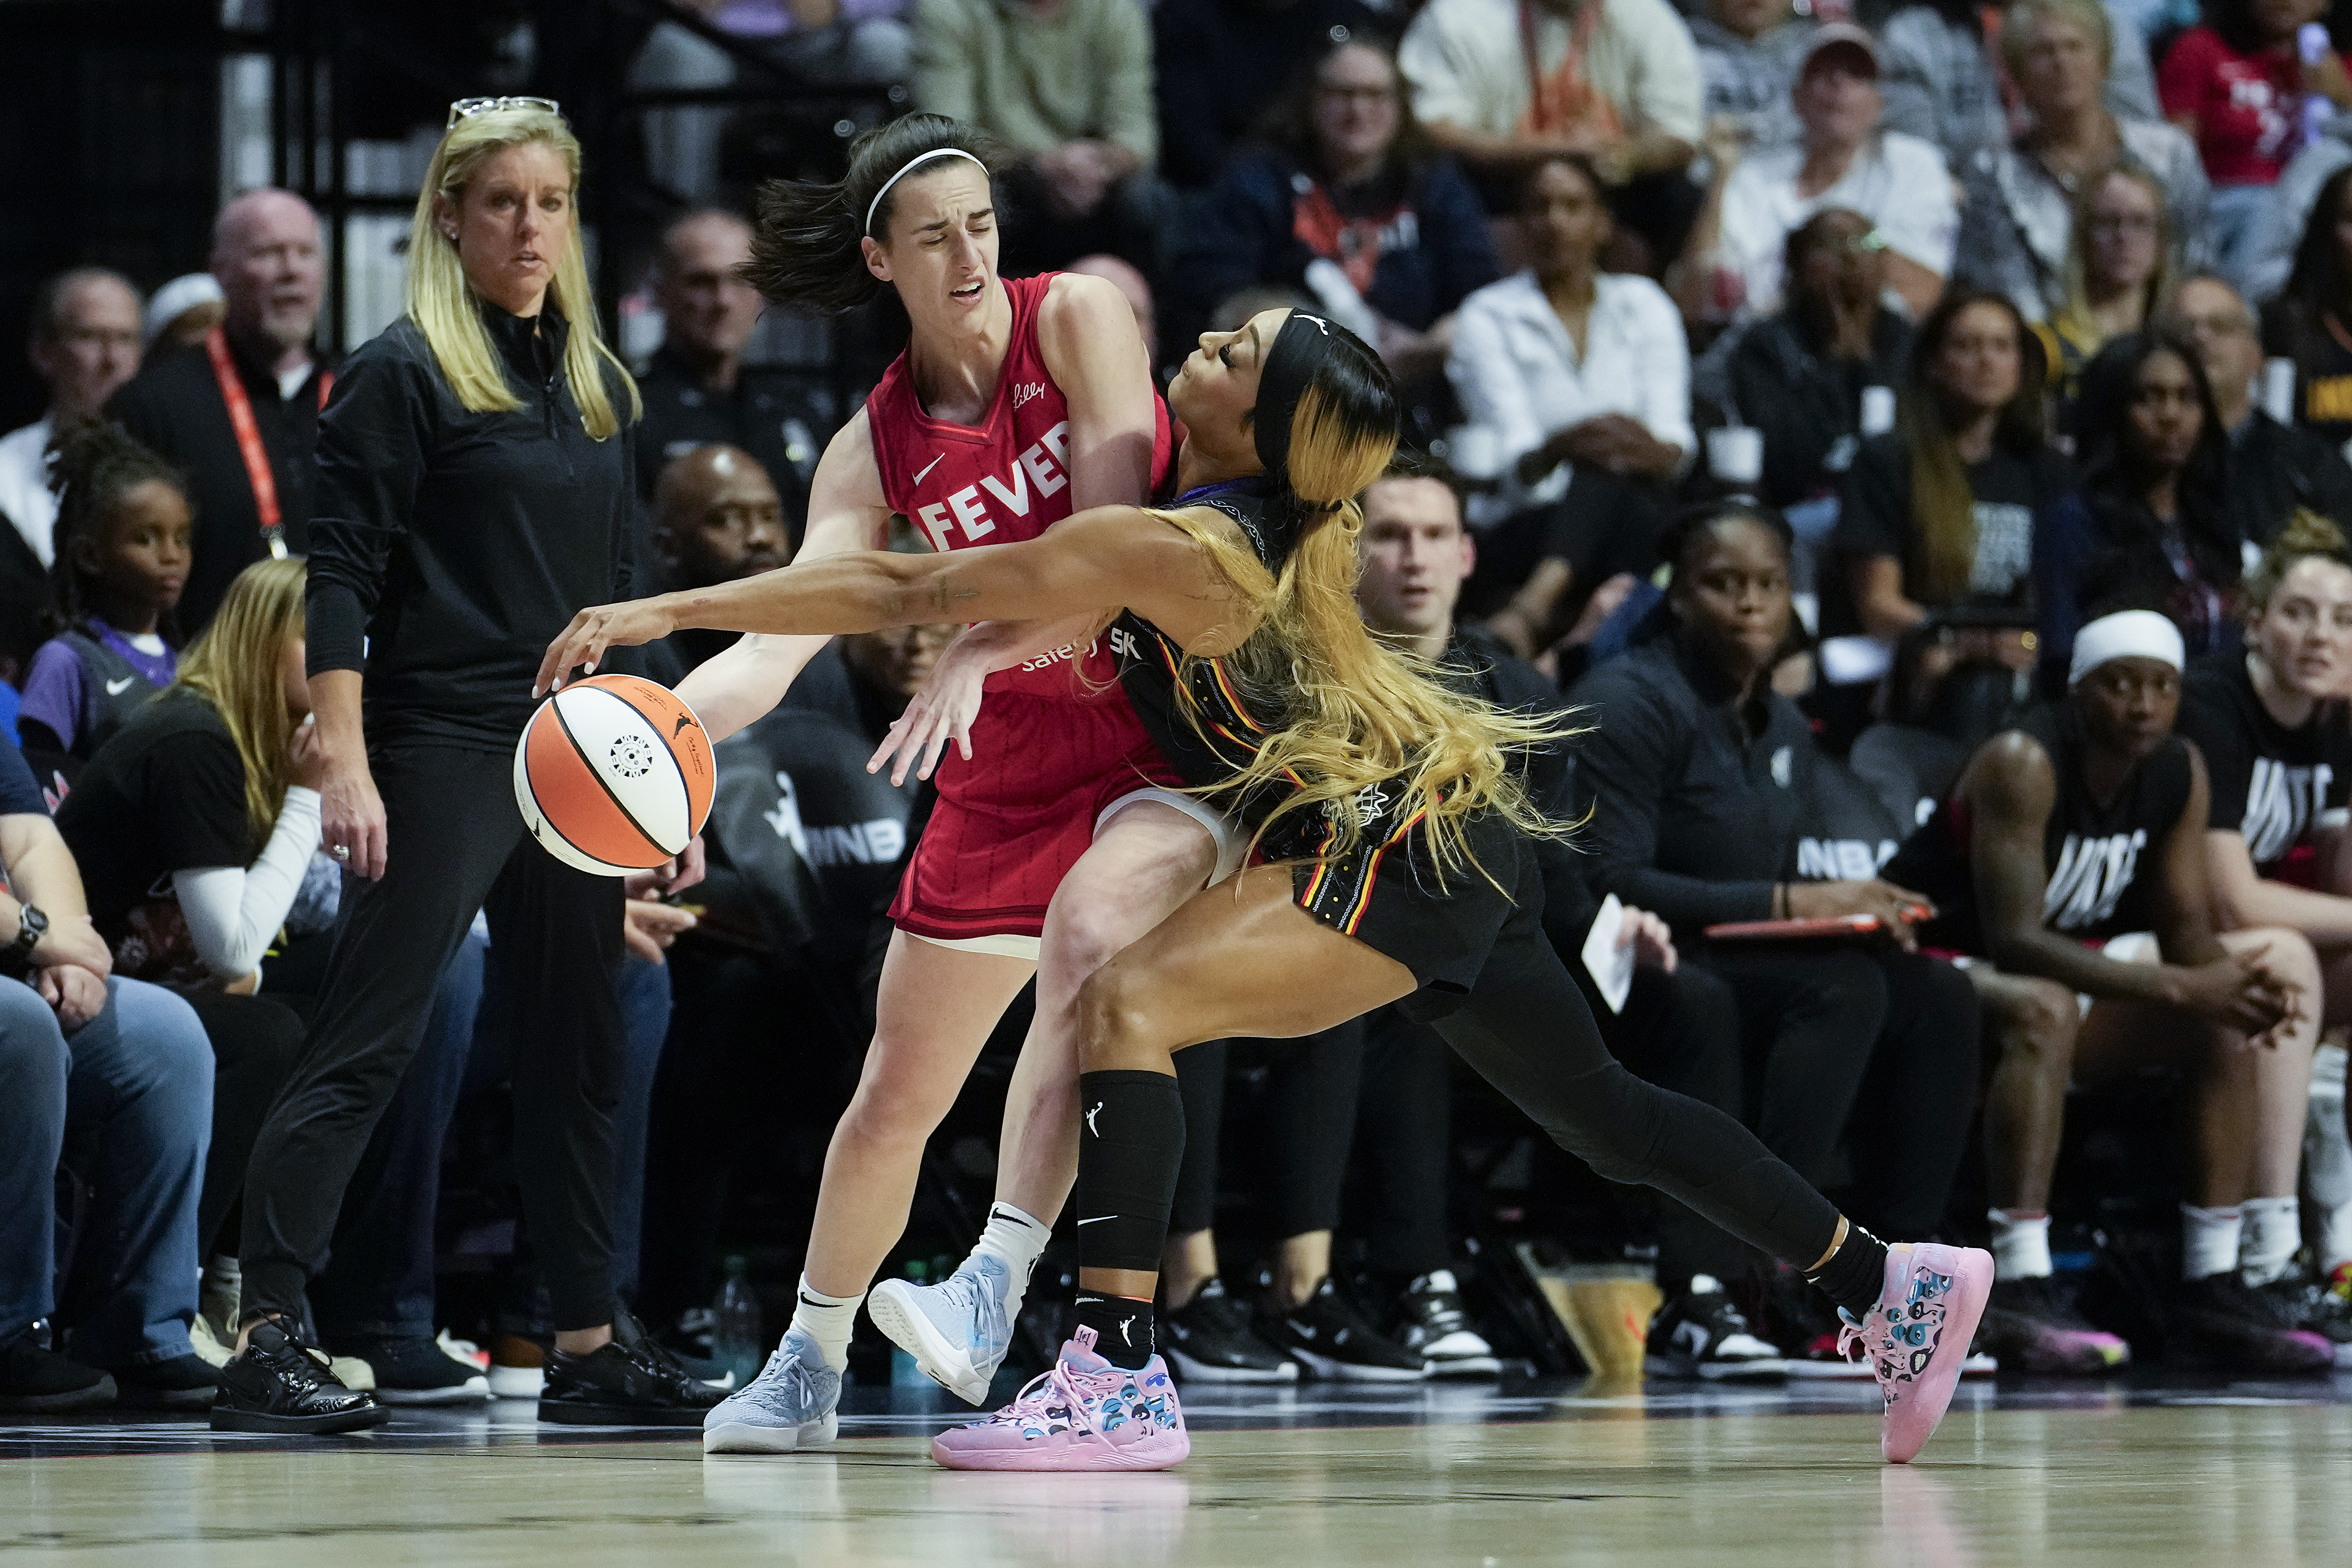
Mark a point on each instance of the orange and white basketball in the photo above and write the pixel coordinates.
(614, 774)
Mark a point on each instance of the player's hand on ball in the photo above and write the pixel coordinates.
(593, 631)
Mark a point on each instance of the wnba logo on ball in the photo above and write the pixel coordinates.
(614, 774)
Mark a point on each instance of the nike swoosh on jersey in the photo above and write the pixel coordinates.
(117, 688)
(934, 463)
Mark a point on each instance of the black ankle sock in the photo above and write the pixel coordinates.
(1855, 1273)
(1122, 1326)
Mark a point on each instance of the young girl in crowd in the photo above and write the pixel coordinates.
(122, 554)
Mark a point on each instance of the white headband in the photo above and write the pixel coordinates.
(909, 167)
(2127, 634)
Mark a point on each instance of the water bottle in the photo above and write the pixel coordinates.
(904, 1372)
(735, 1341)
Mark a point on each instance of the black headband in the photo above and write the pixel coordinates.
(1298, 352)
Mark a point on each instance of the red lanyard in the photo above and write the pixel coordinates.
(248, 437)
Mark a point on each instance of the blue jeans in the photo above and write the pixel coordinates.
(142, 1073)
(2238, 217)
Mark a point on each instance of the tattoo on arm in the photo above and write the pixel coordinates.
(943, 597)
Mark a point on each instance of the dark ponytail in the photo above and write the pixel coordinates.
(93, 463)
(805, 250)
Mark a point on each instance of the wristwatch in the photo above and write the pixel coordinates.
(31, 925)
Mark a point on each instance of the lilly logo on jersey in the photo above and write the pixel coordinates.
(2091, 878)
(1026, 391)
(1045, 464)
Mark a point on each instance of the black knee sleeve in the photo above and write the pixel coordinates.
(1131, 1147)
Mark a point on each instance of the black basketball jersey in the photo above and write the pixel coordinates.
(112, 689)
(1204, 714)
(2272, 783)
(2099, 858)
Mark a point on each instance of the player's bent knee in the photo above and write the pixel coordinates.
(1117, 1021)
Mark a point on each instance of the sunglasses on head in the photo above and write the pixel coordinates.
(467, 107)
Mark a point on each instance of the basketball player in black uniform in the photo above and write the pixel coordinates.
(2065, 840)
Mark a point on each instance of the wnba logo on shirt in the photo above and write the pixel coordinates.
(2280, 804)
(1045, 464)
(2091, 878)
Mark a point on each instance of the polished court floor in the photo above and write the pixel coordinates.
(2246, 1475)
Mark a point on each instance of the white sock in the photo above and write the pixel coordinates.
(2020, 1244)
(1016, 1239)
(2336, 1239)
(827, 1319)
(2272, 1233)
(2208, 1241)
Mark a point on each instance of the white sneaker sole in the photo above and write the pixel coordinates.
(1761, 1370)
(1190, 1371)
(1332, 1370)
(518, 1382)
(741, 1437)
(473, 1391)
(1464, 1366)
(949, 1366)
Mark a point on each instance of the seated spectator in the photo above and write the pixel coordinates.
(1843, 159)
(1577, 385)
(1940, 512)
(2081, 827)
(182, 311)
(2148, 521)
(2018, 222)
(829, 41)
(2269, 468)
(2278, 755)
(1944, 84)
(1219, 66)
(2117, 269)
(79, 1050)
(2306, 322)
(84, 343)
(194, 826)
(1801, 376)
(1348, 203)
(1749, 52)
(2290, 210)
(123, 529)
(697, 390)
(1699, 777)
(716, 517)
(1613, 80)
(1066, 85)
(2237, 84)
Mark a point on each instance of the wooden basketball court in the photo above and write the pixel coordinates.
(2247, 1474)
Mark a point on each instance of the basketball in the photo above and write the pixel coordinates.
(614, 774)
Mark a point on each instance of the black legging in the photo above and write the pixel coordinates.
(1311, 1090)
(1526, 1029)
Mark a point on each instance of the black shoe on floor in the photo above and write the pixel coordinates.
(2223, 1321)
(2304, 1303)
(1428, 1322)
(35, 1379)
(280, 1382)
(1333, 1339)
(624, 1384)
(703, 1368)
(185, 1383)
(415, 1370)
(1209, 1339)
(1700, 1334)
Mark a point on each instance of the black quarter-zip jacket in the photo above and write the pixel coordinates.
(448, 548)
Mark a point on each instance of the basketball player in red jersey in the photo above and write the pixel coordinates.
(1014, 403)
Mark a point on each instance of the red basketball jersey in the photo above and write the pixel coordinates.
(1004, 479)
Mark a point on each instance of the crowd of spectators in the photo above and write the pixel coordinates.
(1878, 426)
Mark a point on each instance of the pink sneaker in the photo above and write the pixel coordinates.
(1080, 1413)
(1917, 1335)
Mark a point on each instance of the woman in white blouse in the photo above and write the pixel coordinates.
(1576, 382)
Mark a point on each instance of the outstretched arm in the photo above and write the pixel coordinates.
(1094, 563)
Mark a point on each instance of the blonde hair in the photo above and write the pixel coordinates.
(235, 666)
(444, 305)
(2088, 15)
(2307, 534)
(1358, 713)
(2075, 316)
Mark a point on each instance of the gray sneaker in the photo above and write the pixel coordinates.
(789, 1405)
